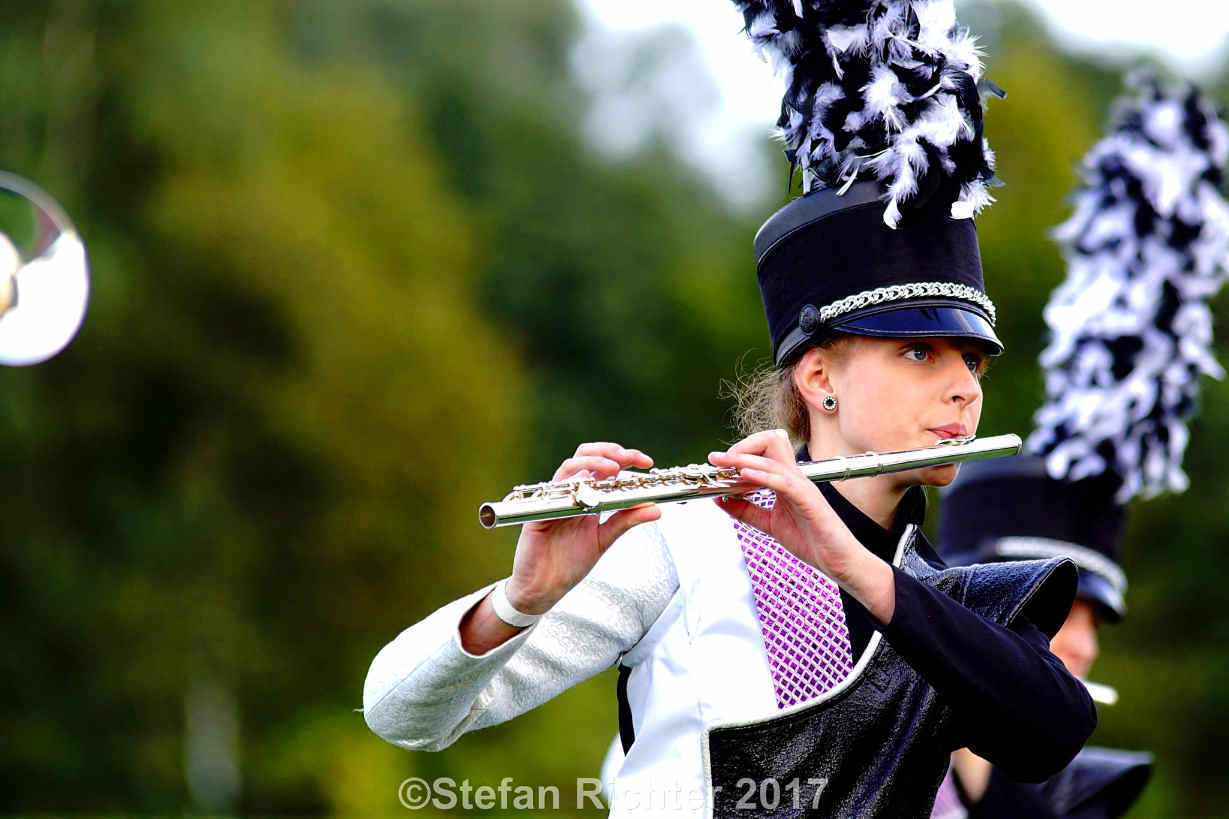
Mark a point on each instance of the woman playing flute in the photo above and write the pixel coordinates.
(801, 651)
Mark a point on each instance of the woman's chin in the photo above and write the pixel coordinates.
(940, 475)
(929, 476)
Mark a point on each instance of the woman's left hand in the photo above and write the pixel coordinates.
(804, 522)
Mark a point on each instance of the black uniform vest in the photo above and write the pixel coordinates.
(878, 744)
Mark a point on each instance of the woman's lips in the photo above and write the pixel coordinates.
(950, 431)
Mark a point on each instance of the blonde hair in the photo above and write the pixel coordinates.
(766, 397)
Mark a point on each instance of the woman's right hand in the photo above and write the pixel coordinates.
(552, 556)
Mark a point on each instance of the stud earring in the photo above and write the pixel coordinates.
(829, 403)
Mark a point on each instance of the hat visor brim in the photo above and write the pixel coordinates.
(1096, 589)
(923, 321)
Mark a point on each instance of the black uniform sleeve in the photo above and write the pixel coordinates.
(1014, 702)
(1007, 799)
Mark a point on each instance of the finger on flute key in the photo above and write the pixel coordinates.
(598, 465)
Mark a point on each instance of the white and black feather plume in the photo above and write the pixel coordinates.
(1146, 247)
(879, 89)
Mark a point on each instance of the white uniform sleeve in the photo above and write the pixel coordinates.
(424, 690)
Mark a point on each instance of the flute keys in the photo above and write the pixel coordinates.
(587, 495)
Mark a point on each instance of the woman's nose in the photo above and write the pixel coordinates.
(964, 387)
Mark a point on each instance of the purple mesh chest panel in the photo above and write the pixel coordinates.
(801, 616)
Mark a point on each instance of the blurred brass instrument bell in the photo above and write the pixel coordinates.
(44, 276)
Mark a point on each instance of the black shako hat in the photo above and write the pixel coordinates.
(1011, 509)
(827, 262)
(882, 114)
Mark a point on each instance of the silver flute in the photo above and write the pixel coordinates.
(588, 496)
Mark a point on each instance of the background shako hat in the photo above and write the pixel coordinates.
(883, 116)
(1011, 509)
(1131, 333)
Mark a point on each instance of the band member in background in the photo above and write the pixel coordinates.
(805, 638)
(1013, 510)
(1131, 333)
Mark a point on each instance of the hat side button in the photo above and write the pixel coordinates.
(808, 320)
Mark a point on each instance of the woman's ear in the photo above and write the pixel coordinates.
(812, 375)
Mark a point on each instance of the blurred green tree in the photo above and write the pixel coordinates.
(266, 444)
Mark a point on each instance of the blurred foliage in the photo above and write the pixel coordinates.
(356, 269)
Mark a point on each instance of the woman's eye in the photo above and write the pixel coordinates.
(917, 353)
(973, 362)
